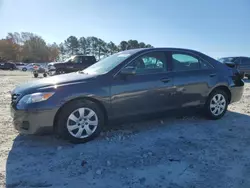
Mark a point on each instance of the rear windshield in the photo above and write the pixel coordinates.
(227, 59)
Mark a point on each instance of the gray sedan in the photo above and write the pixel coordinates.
(141, 81)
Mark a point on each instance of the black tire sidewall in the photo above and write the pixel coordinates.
(209, 114)
(35, 75)
(61, 125)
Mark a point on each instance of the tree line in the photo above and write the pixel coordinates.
(29, 47)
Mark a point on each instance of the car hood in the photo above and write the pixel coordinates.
(70, 78)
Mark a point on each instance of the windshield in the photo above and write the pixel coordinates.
(107, 64)
(70, 59)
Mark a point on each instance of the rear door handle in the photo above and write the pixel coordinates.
(165, 80)
(212, 75)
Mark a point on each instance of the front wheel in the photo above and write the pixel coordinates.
(216, 105)
(35, 75)
(79, 121)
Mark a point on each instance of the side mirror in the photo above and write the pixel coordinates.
(128, 71)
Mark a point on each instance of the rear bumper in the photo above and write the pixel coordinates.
(236, 93)
(32, 122)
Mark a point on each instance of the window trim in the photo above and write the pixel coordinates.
(144, 53)
(190, 54)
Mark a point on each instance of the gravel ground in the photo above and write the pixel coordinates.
(174, 152)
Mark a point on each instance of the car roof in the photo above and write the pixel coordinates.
(159, 48)
(235, 57)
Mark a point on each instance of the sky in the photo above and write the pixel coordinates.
(216, 27)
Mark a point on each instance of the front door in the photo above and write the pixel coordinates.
(192, 78)
(149, 90)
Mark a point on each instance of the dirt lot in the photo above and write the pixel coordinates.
(166, 152)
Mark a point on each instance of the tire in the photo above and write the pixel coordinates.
(242, 75)
(211, 111)
(44, 75)
(248, 77)
(35, 75)
(24, 69)
(65, 121)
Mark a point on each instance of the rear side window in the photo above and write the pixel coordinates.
(184, 62)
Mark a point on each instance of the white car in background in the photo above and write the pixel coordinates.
(20, 65)
(30, 67)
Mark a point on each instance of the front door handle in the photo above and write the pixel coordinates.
(165, 80)
(212, 75)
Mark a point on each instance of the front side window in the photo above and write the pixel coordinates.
(152, 62)
(184, 62)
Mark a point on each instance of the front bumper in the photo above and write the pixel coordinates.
(33, 122)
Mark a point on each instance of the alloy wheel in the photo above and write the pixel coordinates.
(82, 122)
(217, 104)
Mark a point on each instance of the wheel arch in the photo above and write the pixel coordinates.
(99, 103)
(223, 88)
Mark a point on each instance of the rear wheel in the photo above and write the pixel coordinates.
(44, 75)
(24, 69)
(216, 105)
(79, 121)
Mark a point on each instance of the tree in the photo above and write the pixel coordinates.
(15, 38)
(8, 50)
(35, 49)
(93, 45)
(142, 45)
(148, 46)
(112, 48)
(29, 47)
(101, 48)
(123, 45)
(133, 44)
(62, 49)
(72, 45)
(84, 46)
(53, 52)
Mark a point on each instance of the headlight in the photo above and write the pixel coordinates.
(35, 97)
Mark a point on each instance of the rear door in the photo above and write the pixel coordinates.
(192, 78)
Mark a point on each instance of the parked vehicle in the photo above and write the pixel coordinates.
(20, 65)
(241, 63)
(30, 67)
(73, 64)
(141, 81)
(39, 70)
(7, 66)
